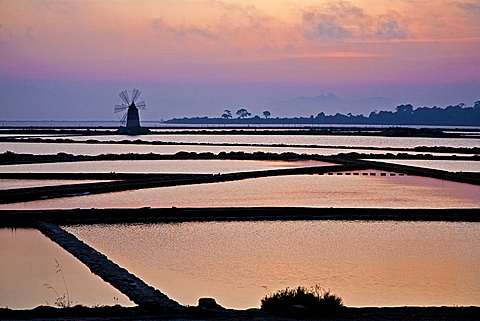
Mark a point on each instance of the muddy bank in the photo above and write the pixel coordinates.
(130, 285)
(95, 176)
(151, 215)
(252, 129)
(194, 313)
(347, 164)
(436, 149)
(462, 177)
(9, 158)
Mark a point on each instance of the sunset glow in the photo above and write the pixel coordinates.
(321, 43)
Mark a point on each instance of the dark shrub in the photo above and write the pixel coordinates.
(316, 301)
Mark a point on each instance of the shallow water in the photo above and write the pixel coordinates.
(207, 166)
(320, 140)
(27, 262)
(366, 263)
(446, 165)
(98, 149)
(297, 190)
(24, 183)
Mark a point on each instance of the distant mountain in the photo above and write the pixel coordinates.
(329, 104)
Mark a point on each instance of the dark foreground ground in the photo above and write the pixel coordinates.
(195, 313)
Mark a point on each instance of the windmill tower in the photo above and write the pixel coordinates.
(130, 121)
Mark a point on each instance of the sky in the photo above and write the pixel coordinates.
(69, 59)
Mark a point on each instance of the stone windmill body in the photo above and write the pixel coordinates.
(129, 106)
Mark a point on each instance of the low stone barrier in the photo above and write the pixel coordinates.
(130, 285)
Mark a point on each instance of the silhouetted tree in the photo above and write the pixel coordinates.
(320, 115)
(459, 114)
(227, 114)
(476, 106)
(243, 113)
(404, 109)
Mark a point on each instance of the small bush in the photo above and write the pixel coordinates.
(315, 300)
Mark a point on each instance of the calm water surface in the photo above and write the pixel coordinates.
(446, 165)
(27, 262)
(98, 149)
(330, 140)
(207, 166)
(296, 190)
(24, 183)
(367, 263)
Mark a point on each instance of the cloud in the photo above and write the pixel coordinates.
(184, 31)
(389, 29)
(470, 6)
(230, 20)
(471, 9)
(241, 16)
(54, 6)
(232, 30)
(229, 39)
(341, 20)
(324, 26)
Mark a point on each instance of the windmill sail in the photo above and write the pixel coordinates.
(123, 121)
(135, 94)
(124, 96)
(141, 105)
(119, 108)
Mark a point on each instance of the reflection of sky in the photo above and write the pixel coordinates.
(320, 140)
(98, 149)
(366, 263)
(338, 191)
(27, 262)
(446, 165)
(75, 55)
(208, 166)
(24, 183)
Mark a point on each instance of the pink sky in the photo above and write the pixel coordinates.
(352, 47)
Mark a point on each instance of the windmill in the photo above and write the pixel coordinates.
(129, 106)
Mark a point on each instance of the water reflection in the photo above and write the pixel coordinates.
(320, 140)
(204, 166)
(24, 183)
(98, 149)
(446, 165)
(27, 262)
(367, 263)
(296, 190)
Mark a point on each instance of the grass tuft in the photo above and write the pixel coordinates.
(314, 301)
(61, 301)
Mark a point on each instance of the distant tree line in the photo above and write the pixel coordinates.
(460, 115)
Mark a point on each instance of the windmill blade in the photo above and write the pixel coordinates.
(124, 96)
(124, 119)
(141, 105)
(119, 108)
(135, 94)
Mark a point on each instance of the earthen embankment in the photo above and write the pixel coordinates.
(130, 285)
(153, 215)
(35, 193)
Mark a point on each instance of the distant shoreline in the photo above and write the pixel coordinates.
(390, 131)
(158, 125)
